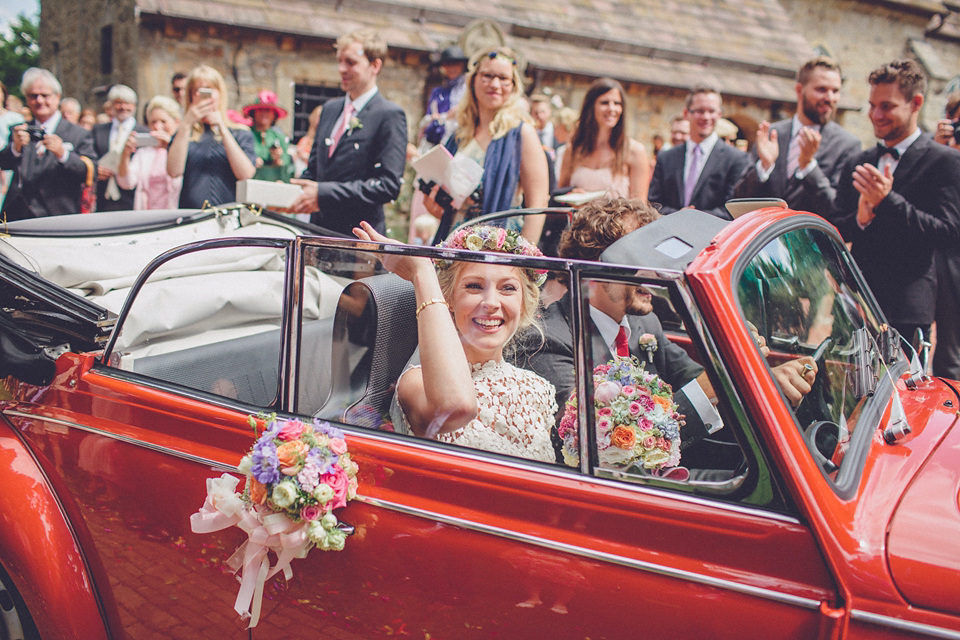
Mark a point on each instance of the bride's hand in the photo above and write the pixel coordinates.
(406, 267)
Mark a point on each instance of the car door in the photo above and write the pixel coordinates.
(458, 542)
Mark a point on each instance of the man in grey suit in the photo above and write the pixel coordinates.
(49, 173)
(699, 173)
(816, 149)
(359, 154)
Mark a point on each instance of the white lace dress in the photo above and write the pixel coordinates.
(516, 411)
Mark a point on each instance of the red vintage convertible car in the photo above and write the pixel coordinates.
(135, 348)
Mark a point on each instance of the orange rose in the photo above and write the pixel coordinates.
(290, 455)
(623, 438)
(663, 402)
(258, 492)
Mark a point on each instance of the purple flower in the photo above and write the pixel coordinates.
(265, 464)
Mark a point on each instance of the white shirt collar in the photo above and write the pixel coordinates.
(706, 146)
(608, 328)
(904, 144)
(362, 100)
(50, 126)
(797, 125)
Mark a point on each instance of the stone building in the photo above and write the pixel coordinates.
(751, 48)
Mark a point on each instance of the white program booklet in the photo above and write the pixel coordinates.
(458, 176)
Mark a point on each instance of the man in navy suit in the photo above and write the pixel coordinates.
(49, 173)
(112, 136)
(359, 154)
(700, 173)
(815, 149)
(898, 202)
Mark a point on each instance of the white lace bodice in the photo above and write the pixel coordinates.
(516, 413)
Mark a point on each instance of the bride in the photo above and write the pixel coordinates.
(467, 312)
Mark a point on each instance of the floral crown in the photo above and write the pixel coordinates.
(497, 239)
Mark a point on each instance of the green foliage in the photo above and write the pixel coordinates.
(19, 50)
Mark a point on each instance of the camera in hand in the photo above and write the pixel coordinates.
(36, 132)
(442, 198)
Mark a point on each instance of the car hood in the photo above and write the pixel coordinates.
(924, 537)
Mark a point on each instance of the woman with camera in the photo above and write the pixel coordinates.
(208, 150)
(143, 163)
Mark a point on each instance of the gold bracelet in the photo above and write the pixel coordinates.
(429, 302)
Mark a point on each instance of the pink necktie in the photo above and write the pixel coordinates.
(793, 155)
(347, 114)
(620, 342)
(691, 180)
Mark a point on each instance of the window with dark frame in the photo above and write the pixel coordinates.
(106, 49)
(306, 98)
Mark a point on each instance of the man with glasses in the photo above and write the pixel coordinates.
(177, 83)
(45, 155)
(699, 173)
(358, 158)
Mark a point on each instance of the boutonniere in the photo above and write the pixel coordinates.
(354, 124)
(649, 344)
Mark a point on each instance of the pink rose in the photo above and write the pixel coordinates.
(292, 430)
(635, 408)
(629, 390)
(649, 442)
(311, 512)
(645, 424)
(501, 237)
(606, 392)
(604, 424)
(339, 482)
(606, 412)
(338, 446)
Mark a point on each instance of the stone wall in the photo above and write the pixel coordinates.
(70, 45)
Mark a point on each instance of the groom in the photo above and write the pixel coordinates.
(359, 154)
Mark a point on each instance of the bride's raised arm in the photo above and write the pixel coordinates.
(440, 396)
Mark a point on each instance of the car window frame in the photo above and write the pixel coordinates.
(847, 482)
(761, 467)
(106, 360)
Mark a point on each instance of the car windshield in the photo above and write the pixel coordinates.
(800, 294)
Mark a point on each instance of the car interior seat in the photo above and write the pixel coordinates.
(374, 335)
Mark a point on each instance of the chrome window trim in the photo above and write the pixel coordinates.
(631, 563)
(517, 464)
(904, 625)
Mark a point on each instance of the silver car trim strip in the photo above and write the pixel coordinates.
(672, 495)
(125, 439)
(650, 567)
(904, 625)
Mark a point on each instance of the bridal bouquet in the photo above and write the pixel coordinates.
(296, 475)
(637, 423)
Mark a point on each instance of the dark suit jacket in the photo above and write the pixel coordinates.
(715, 186)
(101, 145)
(366, 168)
(921, 213)
(44, 186)
(817, 190)
(553, 356)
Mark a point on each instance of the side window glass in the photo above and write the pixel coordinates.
(800, 295)
(209, 320)
(365, 338)
(654, 416)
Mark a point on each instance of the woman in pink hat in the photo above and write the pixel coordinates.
(273, 160)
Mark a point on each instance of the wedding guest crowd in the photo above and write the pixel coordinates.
(897, 204)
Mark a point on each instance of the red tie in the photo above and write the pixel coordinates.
(623, 349)
(347, 114)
